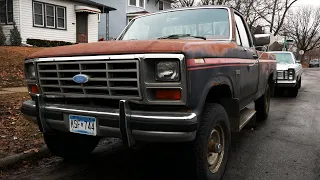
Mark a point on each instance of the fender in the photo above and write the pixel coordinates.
(216, 81)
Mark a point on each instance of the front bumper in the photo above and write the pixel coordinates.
(286, 83)
(122, 123)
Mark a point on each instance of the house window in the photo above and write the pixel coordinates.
(6, 11)
(61, 17)
(161, 6)
(138, 3)
(49, 15)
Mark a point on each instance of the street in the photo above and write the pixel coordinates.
(286, 146)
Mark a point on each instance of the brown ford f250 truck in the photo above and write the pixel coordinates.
(179, 76)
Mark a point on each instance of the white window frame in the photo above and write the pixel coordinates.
(7, 12)
(159, 5)
(34, 14)
(54, 16)
(64, 18)
(137, 4)
(99, 17)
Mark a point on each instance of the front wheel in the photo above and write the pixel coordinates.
(69, 145)
(293, 92)
(212, 144)
(262, 105)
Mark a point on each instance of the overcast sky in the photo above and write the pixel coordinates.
(307, 2)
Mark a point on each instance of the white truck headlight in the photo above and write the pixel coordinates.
(291, 74)
(167, 71)
(30, 71)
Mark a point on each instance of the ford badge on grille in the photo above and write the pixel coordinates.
(80, 78)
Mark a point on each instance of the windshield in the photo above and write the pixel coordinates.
(209, 23)
(284, 58)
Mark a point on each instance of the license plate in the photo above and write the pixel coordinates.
(83, 125)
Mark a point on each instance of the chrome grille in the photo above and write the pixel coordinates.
(118, 79)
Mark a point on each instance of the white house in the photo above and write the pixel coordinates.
(60, 20)
(126, 11)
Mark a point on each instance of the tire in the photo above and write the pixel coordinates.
(214, 125)
(299, 84)
(262, 105)
(293, 92)
(69, 145)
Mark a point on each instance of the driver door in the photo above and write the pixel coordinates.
(249, 71)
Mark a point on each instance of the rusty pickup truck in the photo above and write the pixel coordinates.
(181, 76)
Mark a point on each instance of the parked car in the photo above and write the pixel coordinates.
(314, 63)
(289, 73)
(160, 81)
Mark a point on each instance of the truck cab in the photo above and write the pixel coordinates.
(181, 76)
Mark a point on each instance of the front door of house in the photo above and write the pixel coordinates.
(82, 27)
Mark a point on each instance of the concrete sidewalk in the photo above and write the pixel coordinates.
(13, 90)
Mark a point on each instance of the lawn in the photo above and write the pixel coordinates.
(11, 65)
(16, 133)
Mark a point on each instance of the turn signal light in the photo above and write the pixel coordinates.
(168, 94)
(34, 89)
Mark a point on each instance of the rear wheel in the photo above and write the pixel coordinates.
(262, 105)
(212, 144)
(70, 145)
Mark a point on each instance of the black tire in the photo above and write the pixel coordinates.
(299, 83)
(214, 117)
(293, 92)
(262, 105)
(69, 145)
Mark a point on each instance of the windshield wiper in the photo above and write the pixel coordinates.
(177, 36)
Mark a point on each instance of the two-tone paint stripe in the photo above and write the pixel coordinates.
(208, 63)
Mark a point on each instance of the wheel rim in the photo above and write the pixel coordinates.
(215, 148)
(268, 99)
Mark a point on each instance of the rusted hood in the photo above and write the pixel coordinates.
(191, 48)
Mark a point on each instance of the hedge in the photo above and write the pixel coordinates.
(47, 43)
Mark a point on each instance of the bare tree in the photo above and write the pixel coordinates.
(303, 26)
(275, 12)
(183, 3)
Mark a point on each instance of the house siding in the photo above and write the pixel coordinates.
(16, 18)
(118, 18)
(93, 28)
(69, 35)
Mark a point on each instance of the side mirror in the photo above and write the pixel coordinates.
(262, 39)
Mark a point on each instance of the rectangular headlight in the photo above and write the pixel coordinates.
(167, 71)
(291, 74)
(30, 71)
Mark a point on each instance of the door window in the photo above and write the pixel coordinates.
(242, 31)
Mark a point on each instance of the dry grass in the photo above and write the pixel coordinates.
(16, 133)
(11, 65)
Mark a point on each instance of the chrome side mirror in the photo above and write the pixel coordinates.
(262, 39)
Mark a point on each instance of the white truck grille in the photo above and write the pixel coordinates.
(116, 79)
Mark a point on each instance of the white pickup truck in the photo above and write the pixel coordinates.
(289, 72)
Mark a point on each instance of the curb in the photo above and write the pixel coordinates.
(10, 160)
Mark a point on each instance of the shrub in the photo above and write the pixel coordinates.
(15, 37)
(2, 37)
(47, 43)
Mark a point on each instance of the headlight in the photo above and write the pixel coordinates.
(291, 74)
(167, 71)
(30, 71)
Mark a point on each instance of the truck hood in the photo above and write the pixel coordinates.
(283, 67)
(191, 48)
